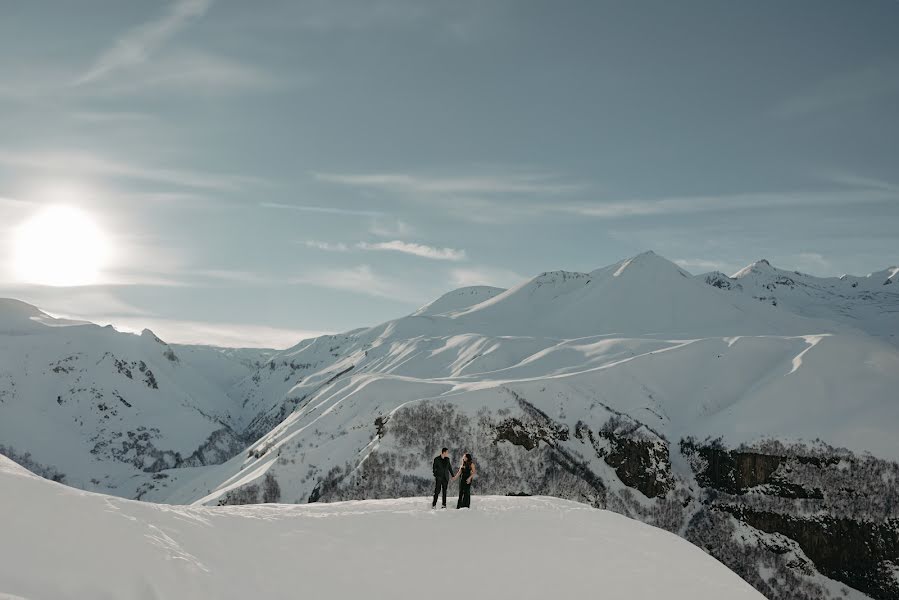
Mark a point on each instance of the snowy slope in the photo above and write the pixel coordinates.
(106, 410)
(869, 303)
(65, 543)
(459, 299)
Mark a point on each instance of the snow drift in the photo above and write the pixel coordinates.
(63, 543)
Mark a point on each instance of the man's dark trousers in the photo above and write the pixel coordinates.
(440, 483)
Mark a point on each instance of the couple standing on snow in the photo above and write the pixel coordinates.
(443, 472)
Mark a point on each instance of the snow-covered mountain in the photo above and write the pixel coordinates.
(105, 410)
(763, 434)
(68, 544)
(869, 303)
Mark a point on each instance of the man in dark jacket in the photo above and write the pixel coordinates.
(443, 472)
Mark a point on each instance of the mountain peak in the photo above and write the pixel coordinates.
(149, 335)
(459, 299)
(759, 266)
(646, 263)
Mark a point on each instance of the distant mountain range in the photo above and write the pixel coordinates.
(754, 415)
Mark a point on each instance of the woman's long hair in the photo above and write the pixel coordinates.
(466, 460)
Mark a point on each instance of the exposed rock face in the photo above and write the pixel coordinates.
(737, 472)
(858, 553)
(842, 511)
(638, 455)
(781, 516)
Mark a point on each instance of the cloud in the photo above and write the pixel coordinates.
(327, 246)
(851, 88)
(416, 250)
(137, 45)
(480, 275)
(722, 203)
(192, 72)
(361, 279)
(87, 163)
(330, 210)
(485, 199)
(858, 181)
(524, 183)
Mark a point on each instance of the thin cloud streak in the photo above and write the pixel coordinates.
(363, 280)
(329, 210)
(414, 249)
(327, 246)
(417, 184)
(137, 45)
(702, 204)
(81, 162)
(845, 90)
(193, 72)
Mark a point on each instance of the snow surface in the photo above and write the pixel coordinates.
(869, 303)
(63, 543)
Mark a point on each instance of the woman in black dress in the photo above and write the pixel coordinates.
(467, 471)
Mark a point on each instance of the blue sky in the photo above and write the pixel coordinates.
(266, 170)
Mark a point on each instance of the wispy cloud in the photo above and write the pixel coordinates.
(136, 46)
(328, 210)
(521, 183)
(87, 163)
(421, 250)
(192, 72)
(722, 203)
(327, 246)
(853, 180)
(847, 89)
(487, 199)
(361, 279)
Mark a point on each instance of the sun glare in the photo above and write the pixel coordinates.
(60, 246)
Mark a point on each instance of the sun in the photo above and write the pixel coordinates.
(60, 246)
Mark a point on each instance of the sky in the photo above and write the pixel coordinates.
(263, 172)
